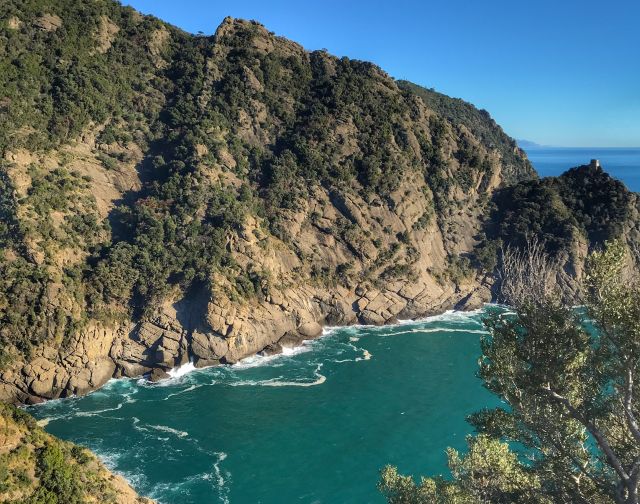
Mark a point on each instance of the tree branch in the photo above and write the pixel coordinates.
(628, 409)
(581, 467)
(594, 431)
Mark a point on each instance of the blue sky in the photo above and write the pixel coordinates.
(561, 72)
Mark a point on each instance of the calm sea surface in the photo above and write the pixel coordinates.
(313, 426)
(623, 164)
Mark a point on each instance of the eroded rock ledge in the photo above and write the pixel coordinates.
(229, 333)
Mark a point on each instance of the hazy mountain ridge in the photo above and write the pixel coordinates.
(169, 197)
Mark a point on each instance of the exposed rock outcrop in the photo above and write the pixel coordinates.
(48, 22)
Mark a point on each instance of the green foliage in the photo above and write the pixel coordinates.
(227, 130)
(396, 271)
(59, 482)
(458, 269)
(175, 231)
(53, 191)
(488, 473)
(599, 203)
(28, 314)
(10, 233)
(54, 82)
(425, 219)
(532, 208)
(567, 385)
(486, 254)
(40, 469)
(108, 162)
(478, 121)
(22, 301)
(584, 200)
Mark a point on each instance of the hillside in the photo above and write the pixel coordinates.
(169, 197)
(572, 214)
(36, 467)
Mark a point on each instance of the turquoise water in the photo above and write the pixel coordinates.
(313, 426)
(621, 163)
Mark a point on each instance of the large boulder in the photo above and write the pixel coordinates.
(310, 329)
(208, 349)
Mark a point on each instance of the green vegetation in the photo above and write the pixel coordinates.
(478, 121)
(488, 473)
(69, 69)
(571, 401)
(36, 468)
(54, 81)
(135, 157)
(134, 154)
(584, 200)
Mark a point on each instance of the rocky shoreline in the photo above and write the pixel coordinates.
(230, 333)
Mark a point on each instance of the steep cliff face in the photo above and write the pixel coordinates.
(226, 195)
(167, 197)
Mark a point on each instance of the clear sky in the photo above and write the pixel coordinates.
(557, 72)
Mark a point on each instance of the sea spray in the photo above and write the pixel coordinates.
(179, 371)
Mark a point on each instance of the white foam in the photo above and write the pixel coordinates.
(447, 316)
(111, 460)
(108, 458)
(288, 351)
(254, 361)
(179, 371)
(279, 382)
(263, 360)
(97, 412)
(319, 381)
(55, 418)
(170, 430)
(436, 330)
(137, 427)
(188, 389)
(220, 481)
(176, 375)
(244, 383)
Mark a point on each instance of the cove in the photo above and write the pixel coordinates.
(313, 425)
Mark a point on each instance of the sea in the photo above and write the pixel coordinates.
(621, 163)
(313, 425)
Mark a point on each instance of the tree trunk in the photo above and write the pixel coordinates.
(633, 496)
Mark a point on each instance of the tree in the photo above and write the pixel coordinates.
(489, 472)
(568, 378)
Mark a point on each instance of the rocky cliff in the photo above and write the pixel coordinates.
(169, 197)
